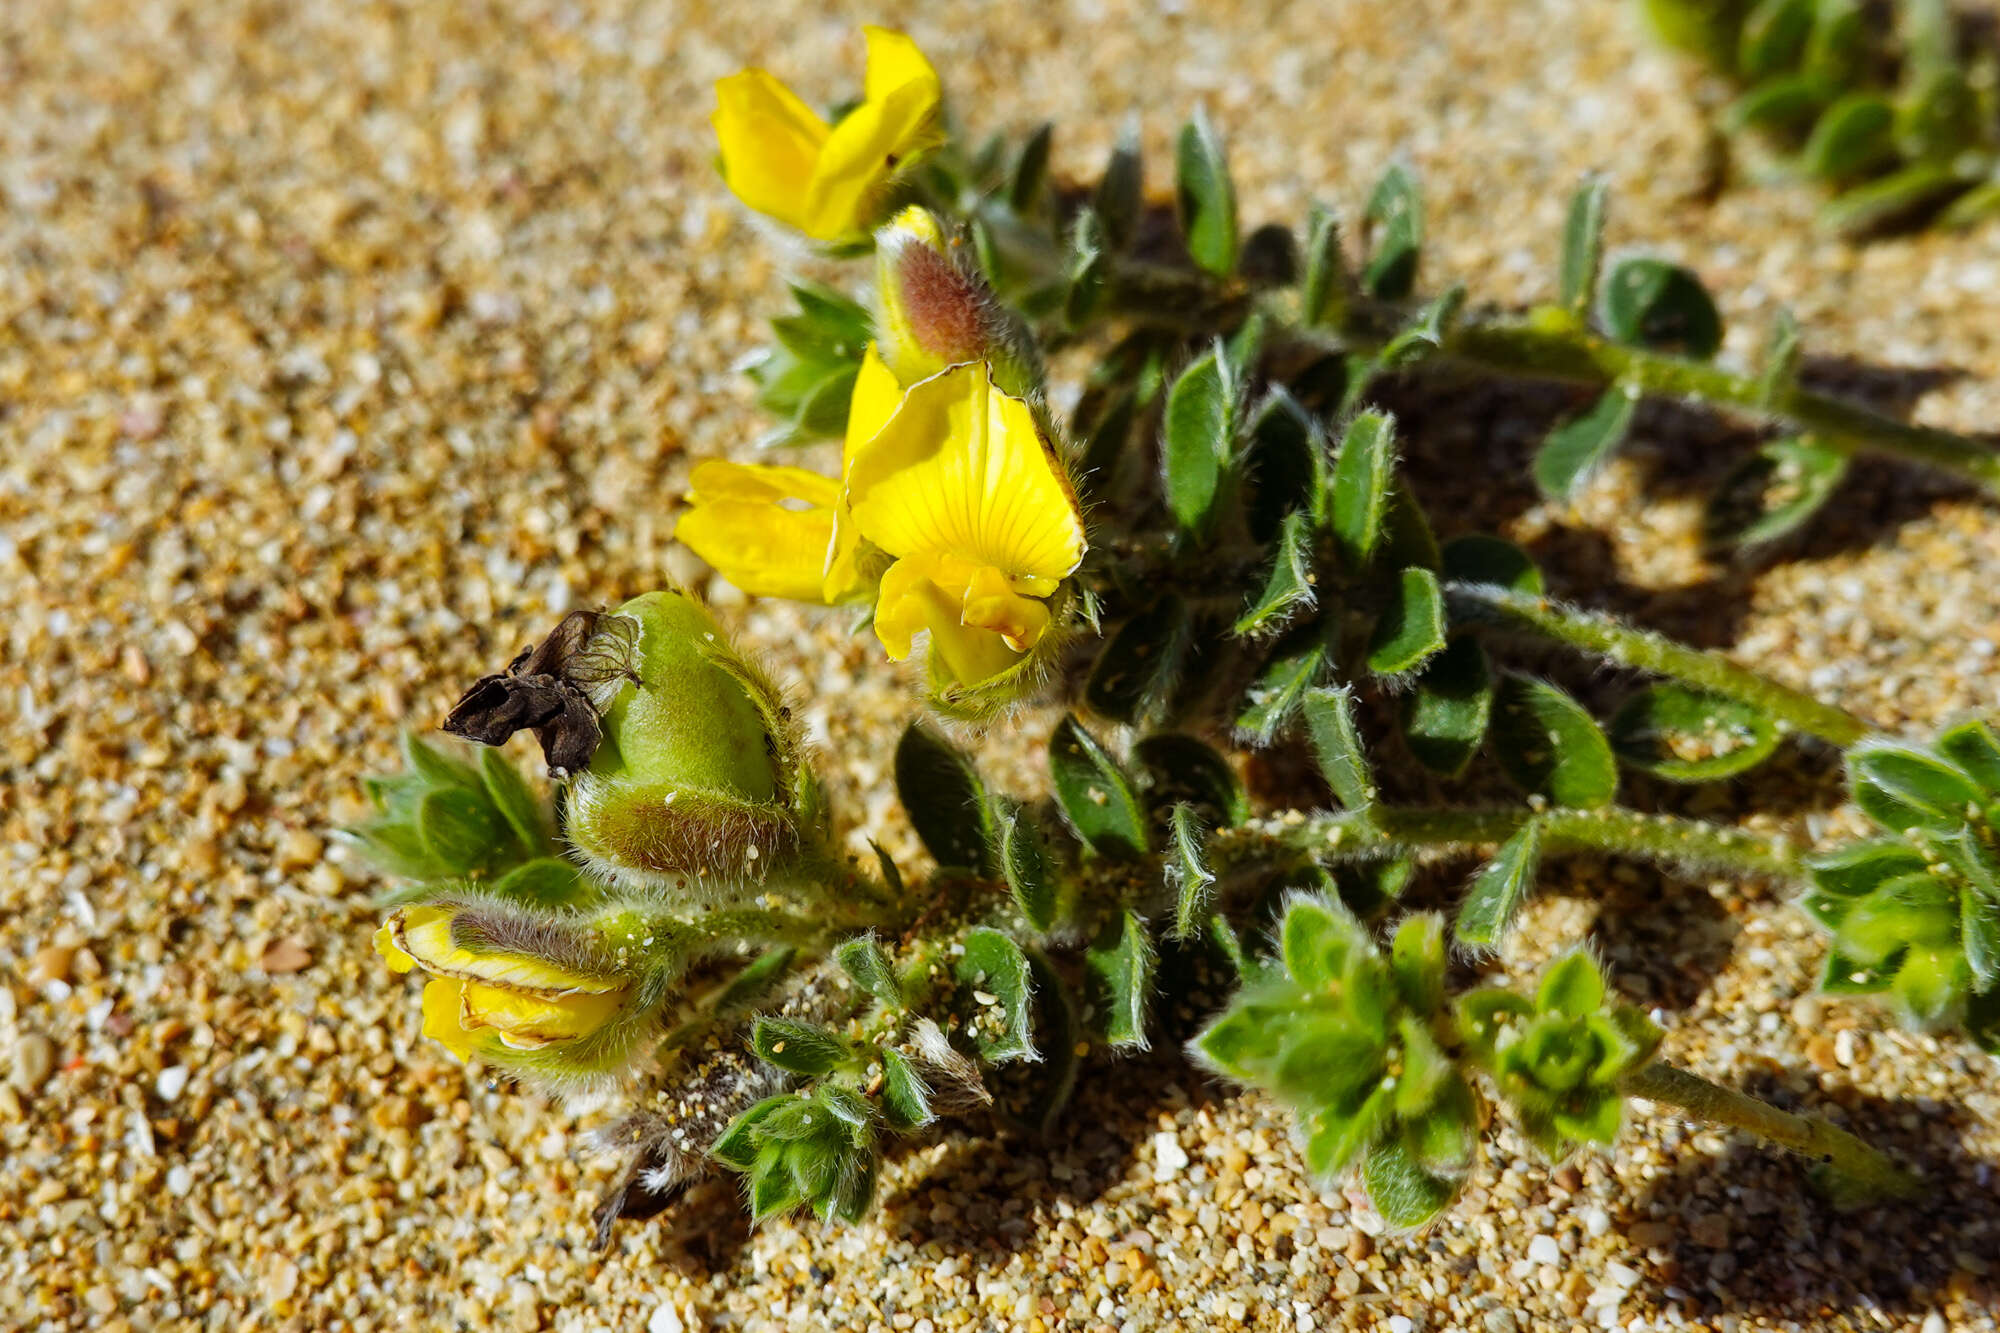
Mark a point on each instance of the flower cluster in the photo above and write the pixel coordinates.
(953, 516)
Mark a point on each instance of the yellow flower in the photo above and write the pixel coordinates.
(779, 531)
(782, 159)
(961, 488)
(473, 996)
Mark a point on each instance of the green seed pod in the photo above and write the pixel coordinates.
(698, 783)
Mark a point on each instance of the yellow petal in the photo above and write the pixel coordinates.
(770, 143)
(526, 1022)
(869, 146)
(424, 933)
(442, 1000)
(765, 529)
(992, 604)
(893, 62)
(961, 469)
(385, 944)
(876, 394)
(913, 601)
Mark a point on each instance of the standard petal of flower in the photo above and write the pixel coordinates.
(895, 62)
(526, 1022)
(876, 394)
(962, 469)
(424, 933)
(770, 143)
(765, 529)
(869, 145)
(443, 999)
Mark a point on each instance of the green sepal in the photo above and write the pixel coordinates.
(993, 964)
(1550, 746)
(1842, 878)
(1487, 1015)
(1773, 38)
(1335, 1137)
(754, 981)
(1031, 169)
(1120, 965)
(945, 800)
(1095, 793)
(867, 965)
(1427, 1070)
(1323, 1061)
(773, 1192)
(1411, 627)
(1499, 889)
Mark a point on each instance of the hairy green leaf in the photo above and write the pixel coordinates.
(1120, 965)
(1550, 746)
(1205, 196)
(995, 972)
(1499, 889)
(946, 801)
(1411, 628)
(1445, 718)
(1095, 793)
(1329, 714)
(1024, 861)
(1687, 735)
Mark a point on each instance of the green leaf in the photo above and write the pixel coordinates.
(1858, 869)
(1840, 43)
(1395, 217)
(1368, 887)
(1974, 748)
(1773, 492)
(1652, 303)
(1686, 735)
(1773, 38)
(1284, 465)
(1445, 718)
(1848, 976)
(945, 800)
(1904, 788)
(754, 980)
(1583, 245)
(994, 966)
(1405, 1192)
(1417, 960)
(1499, 889)
(1407, 540)
(1550, 746)
(546, 881)
(1086, 270)
(1361, 476)
(1187, 871)
(1327, 290)
(1336, 1136)
(1343, 761)
(1411, 628)
(1315, 939)
(737, 1146)
(460, 830)
(906, 1100)
(1031, 170)
(1052, 1082)
(1579, 446)
(1180, 770)
(1324, 1061)
(1278, 690)
(1425, 333)
(1205, 197)
(1120, 965)
(1118, 197)
(1024, 861)
(1139, 666)
(1782, 354)
(798, 1048)
(1782, 104)
(1852, 137)
(1573, 986)
(516, 804)
(1095, 793)
(1198, 432)
(436, 768)
(1979, 931)
(1289, 586)
(867, 964)
(772, 1192)
(1491, 560)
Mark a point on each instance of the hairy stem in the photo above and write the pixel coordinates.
(1602, 636)
(1855, 1162)
(1383, 831)
(1552, 345)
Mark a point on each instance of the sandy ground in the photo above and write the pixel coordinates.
(344, 345)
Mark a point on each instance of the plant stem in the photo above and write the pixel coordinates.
(1384, 831)
(1553, 345)
(1604, 637)
(1855, 1162)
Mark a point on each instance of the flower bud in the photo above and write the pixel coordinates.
(698, 779)
(933, 310)
(495, 988)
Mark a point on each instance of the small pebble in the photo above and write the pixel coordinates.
(34, 1061)
(173, 1080)
(1544, 1250)
(1169, 1158)
(284, 956)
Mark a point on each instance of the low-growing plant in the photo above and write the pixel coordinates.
(1214, 551)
